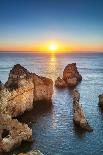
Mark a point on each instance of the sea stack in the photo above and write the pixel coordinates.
(78, 114)
(71, 77)
(17, 95)
(101, 100)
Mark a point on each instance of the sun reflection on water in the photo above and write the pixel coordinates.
(53, 67)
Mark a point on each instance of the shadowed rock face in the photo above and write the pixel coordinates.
(17, 132)
(71, 77)
(101, 100)
(78, 114)
(18, 95)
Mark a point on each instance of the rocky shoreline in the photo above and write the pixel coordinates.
(17, 95)
(22, 91)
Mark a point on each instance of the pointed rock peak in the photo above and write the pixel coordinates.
(19, 71)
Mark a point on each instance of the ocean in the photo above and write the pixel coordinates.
(53, 130)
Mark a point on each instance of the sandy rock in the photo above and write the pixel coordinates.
(22, 89)
(101, 100)
(35, 152)
(71, 77)
(60, 83)
(15, 133)
(78, 114)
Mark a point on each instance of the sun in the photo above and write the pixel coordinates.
(53, 47)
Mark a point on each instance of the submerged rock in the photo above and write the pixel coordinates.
(78, 114)
(35, 152)
(101, 100)
(71, 76)
(22, 89)
(12, 133)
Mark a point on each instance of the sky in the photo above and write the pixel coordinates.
(32, 25)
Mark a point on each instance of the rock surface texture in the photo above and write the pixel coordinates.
(101, 100)
(35, 152)
(78, 114)
(17, 95)
(71, 77)
(22, 89)
(13, 133)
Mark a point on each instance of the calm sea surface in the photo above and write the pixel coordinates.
(53, 129)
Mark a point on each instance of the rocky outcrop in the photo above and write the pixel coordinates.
(35, 152)
(78, 114)
(12, 133)
(17, 95)
(101, 100)
(22, 89)
(60, 83)
(71, 77)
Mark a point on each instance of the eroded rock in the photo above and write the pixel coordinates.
(78, 114)
(19, 94)
(101, 100)
(35, 152)
(71, 76)
(22, 89)
(15, 133)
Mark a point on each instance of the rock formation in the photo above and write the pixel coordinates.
(12, 133)
(101, 100)
(71, 77)
(78, 114)
(35, 152)
(22, 89)
(17, 95)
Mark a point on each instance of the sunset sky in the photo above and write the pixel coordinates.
(35, 25)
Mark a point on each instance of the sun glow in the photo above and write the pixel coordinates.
(53, 47)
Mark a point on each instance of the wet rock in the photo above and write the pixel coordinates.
(22, 89)
(12, 133)
(35, 152)
(101, 100)
(78, 114)
(71, 77)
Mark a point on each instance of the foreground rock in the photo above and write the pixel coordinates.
(12, 133)
(35, 152)
(78, 114)
(22, 89)
(101, 100)
(71, 77)
(17, 95)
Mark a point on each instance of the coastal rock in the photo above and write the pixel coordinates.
(78, 114)
(60, 83)
(35, 152)
(71, 77)
(21, 91)
(101, 100)
(18, 94)
(12, 133)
